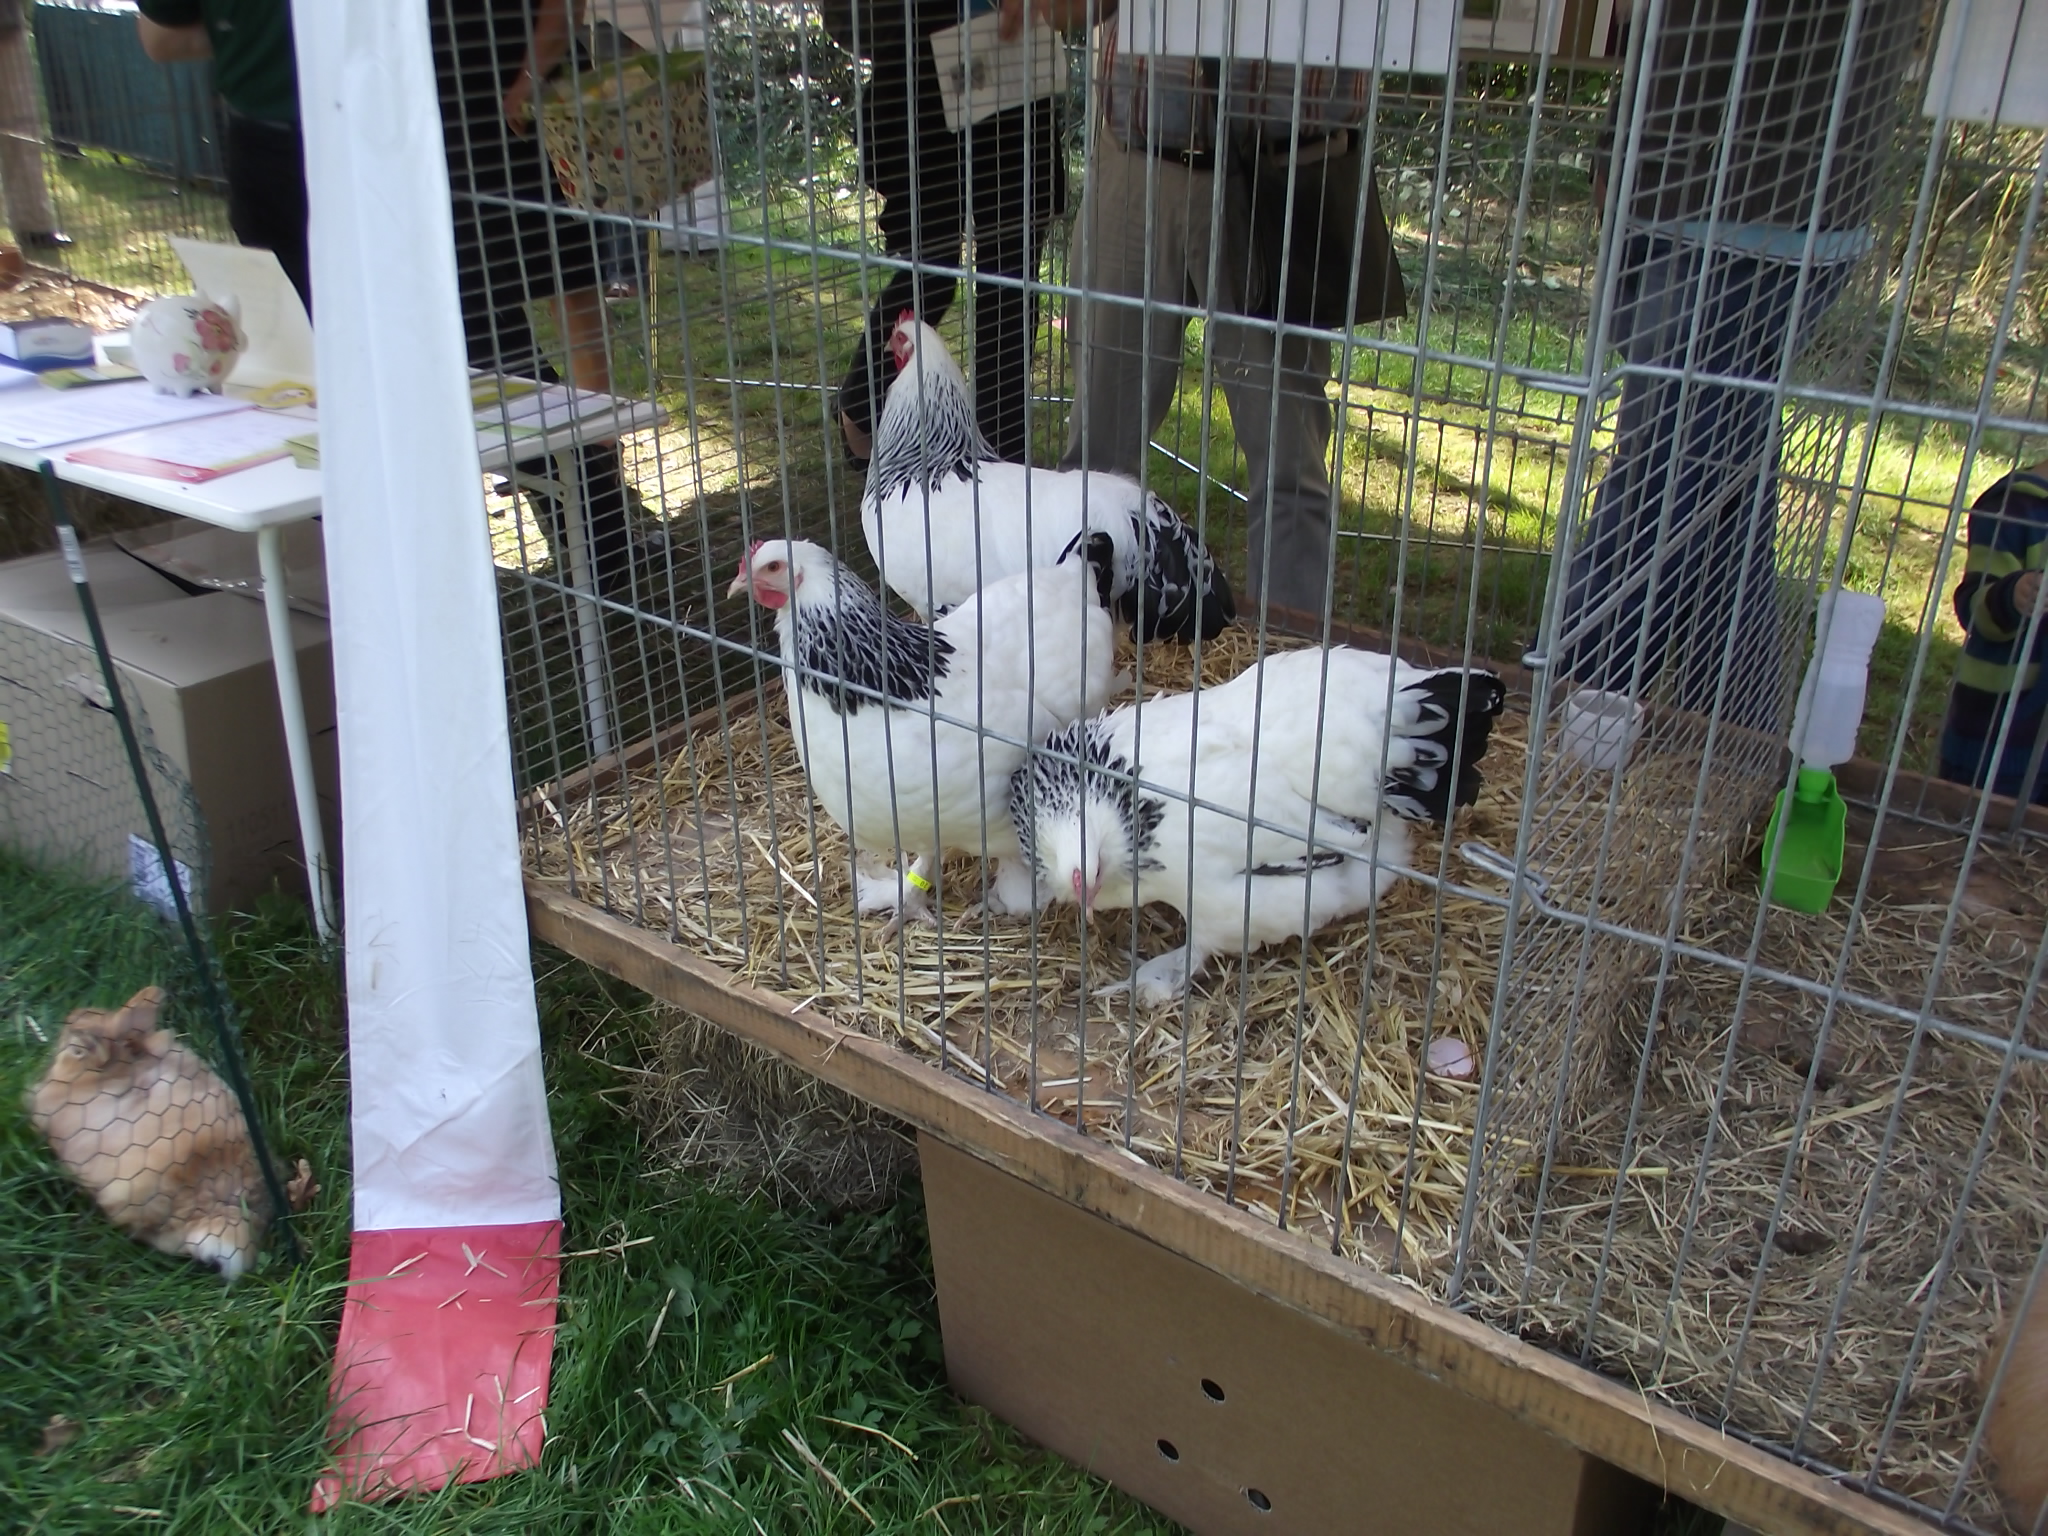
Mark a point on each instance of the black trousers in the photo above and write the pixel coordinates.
(1010, 178)
(266, 166)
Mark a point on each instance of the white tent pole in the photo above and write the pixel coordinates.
(449, 1110)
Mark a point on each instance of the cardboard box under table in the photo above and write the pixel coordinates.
(1222, 1409)
(199, 665)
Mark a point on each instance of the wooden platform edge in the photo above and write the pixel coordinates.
(1599, 1416)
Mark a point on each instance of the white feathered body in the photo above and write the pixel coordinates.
(935, 545)
(912, 776)
(1264, 808)
(944, 518)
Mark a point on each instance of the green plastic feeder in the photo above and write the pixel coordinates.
(1816, 824)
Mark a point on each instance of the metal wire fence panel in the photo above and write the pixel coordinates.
(1573, 355)
(141, 1116)
(104, 156)
(67, 798)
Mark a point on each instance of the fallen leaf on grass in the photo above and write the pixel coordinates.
(58, 1433)
(301, 1190)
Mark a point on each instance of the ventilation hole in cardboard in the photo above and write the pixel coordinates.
(1258, 1500)
(1169, 1450)
(1211, 1391)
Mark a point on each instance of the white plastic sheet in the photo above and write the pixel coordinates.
(1418, 34)
(1991, 63)
(656, 24)
(450, 1115)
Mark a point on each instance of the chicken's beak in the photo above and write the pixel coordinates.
(739, 584)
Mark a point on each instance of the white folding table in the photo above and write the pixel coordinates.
(266, 499)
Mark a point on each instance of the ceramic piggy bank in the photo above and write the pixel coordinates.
(184, 343)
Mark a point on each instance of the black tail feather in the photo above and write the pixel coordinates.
(1462, 703)
(1180, 591)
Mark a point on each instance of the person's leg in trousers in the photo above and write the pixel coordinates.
(267, 194)
(1277, 388)
(1005, 320)
(1282, 420)
(1011, 189)
(1730, 463)
(504, 340)
(917, 225)
(1606, 641)
(1127, 359)
(21, 141)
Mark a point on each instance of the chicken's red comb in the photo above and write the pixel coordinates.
(908, 317)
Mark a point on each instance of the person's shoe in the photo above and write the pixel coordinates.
(46, 240)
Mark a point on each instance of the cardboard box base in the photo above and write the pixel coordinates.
(1216, 1406)
(198, 671)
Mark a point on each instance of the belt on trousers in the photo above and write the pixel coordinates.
(1308, 150)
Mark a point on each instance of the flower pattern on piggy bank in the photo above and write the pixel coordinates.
(183, 344)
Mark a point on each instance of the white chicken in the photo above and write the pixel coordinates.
(885, 710)
(944, 517)
(1213, 804)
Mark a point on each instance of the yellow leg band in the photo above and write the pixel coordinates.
(918, 880)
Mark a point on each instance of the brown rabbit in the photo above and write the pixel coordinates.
(154, 1134)
(2016, 1426)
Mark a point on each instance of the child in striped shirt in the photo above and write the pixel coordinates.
(1999, 594)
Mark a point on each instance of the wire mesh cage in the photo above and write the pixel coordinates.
(67, 797)
(150, 1123)
(1573, 354)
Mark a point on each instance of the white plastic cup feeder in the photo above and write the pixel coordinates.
(1600, 729)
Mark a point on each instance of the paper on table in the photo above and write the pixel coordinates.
(490, 391)
(304, 447)
(195, 451)
(280, 335)
(492, 434)
(45, 418)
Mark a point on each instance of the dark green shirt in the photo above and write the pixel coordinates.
(253, 67)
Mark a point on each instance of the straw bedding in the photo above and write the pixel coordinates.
(722, 1106)
(1701, 1297)
(720, 845)
(729, 853)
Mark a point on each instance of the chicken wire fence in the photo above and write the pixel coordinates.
(67, 795)
(1608, 340)
(155, 1126)
(107, 151)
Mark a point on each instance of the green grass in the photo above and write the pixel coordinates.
(120, 220)
(201, 1408)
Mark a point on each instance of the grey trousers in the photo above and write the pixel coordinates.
(1128, 359)
(21, 139)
